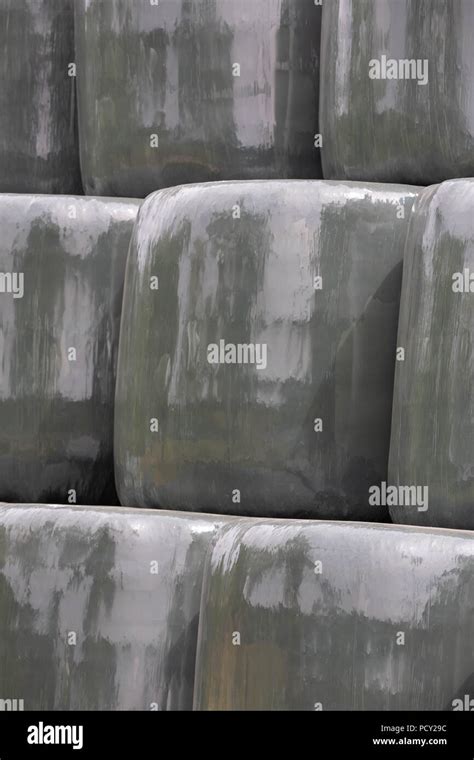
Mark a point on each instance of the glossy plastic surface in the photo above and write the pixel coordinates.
(99, 608)
(415, 123)
(62, 269)
(302, 430)
(336, 616)
(192, 91)
(39, 147)
(432, 443)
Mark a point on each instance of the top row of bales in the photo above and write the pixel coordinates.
(177, 91)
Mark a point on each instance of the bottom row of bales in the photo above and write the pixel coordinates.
(113, 609)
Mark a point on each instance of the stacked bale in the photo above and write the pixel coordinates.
(62, 269)
(432, 446)
(258, 351)
(336, 616)
(38, 132)
(177, 91)
(397, 95)
(99, 608)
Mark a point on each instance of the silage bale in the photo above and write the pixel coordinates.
(397, 91)
(178, 92)
(62, 269)
(257, 356)
(99, 608)
(432, 444)
(300, 615)
(39, 151)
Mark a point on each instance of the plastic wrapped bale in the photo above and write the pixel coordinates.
(39, 150)
(431, 468)
(397, 96)
(99, 608)
(177, 92)
(336, 616)
(258, 350)
(62, 269)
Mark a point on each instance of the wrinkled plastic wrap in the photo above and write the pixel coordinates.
(180, 92)
(300, 283)
(336, 616)
(415, 122)
(432, 446)
(39, 150)
(99, 608)
(62, 269)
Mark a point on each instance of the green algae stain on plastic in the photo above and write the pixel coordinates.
(257, 377)
(335, 616)
(432, 442)
(39, 145)
(62, 269)
(181, 92)
(397, 90)
(99, 608)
